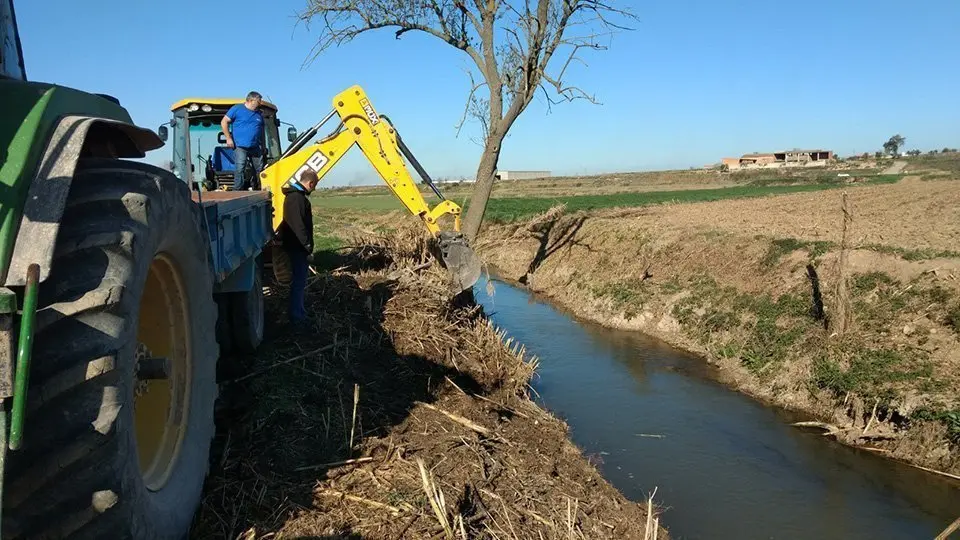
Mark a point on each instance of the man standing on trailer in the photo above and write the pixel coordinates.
(295, 235)
(246, 139)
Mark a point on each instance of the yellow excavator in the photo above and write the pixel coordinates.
(359, 124)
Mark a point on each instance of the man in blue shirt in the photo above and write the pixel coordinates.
(247, 139)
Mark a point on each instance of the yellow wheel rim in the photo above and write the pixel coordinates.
(161, 405)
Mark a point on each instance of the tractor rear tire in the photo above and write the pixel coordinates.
(247, 315)
(224, 333)
(107, 453)
(282, 267)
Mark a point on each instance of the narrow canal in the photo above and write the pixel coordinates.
(723, 465)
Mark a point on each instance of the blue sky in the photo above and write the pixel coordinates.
(695, 81)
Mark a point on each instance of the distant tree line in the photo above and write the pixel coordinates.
(892, 148)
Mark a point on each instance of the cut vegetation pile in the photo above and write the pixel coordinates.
(403, 414)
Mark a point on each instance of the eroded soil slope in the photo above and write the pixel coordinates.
(853, 320)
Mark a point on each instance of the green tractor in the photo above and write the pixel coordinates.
(115, 277)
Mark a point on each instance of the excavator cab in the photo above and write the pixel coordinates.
(200, 156)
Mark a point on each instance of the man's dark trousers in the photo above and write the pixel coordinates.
(298, 285)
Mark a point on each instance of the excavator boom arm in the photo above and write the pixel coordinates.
(379, 141)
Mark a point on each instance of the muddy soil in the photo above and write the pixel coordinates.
(401, 413)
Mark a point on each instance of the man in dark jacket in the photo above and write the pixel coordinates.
(296, 237)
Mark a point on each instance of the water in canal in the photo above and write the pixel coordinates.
(724, 466)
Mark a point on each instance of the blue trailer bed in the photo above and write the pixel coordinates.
(239, 226)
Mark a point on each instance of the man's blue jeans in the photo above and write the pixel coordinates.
(240, 157)
(298, 284)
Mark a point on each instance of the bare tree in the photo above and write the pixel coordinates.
(518, 46)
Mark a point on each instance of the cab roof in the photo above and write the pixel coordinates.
(217, 102)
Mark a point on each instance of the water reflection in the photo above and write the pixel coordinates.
(725, 466)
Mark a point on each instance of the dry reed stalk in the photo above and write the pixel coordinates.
(226, 449)
(934, 471)
(506, 514)
(334, 464)
(406, 527)
(375, 504)
(488, 400)
(458, 419)
(491, 290)
(280, 363)
(873, 417)
(539, 518)
(651, 522)
(830, 429)
(572, 529)
(353, 421)
(435, 496)
(953, 527)
(530, 513)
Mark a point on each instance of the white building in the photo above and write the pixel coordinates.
(522, 175)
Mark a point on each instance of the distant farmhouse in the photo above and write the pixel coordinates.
(522, 175)
(785, 158)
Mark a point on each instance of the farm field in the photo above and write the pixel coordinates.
(522, 199)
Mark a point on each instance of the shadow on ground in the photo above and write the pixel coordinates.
(553, 235)
(304, 403)
(352, 258)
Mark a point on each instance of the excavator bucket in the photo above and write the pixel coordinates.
(462, 264)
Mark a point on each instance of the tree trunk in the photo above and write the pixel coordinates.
(481, 192)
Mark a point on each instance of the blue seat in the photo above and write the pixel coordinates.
(224, 160)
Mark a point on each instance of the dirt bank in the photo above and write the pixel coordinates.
(402, 415)
(855, 324)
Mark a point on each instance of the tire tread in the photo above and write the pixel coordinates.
(69, 479)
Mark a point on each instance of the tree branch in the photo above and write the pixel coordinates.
(602, 9)
(471, 97)
(571, 93)
(340, 19)
(468, 14)
(440, 17)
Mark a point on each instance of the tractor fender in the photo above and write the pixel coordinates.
(75, 136)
